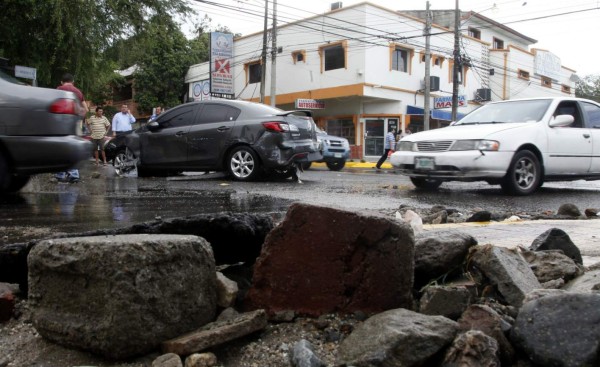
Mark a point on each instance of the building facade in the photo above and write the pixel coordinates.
(361, 70)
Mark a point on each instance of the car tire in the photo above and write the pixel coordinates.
(425, 183)
(336, 165)
(306, 165)
(4, 174)
(243, 164)
(524, 174)
(120, 161)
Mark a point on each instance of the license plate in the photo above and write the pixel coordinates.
(425, 163)
(337, 155)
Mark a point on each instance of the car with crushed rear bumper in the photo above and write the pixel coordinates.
(518, 144)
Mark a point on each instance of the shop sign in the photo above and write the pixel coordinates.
(310, 104)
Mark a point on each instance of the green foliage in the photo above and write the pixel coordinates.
(588, 87)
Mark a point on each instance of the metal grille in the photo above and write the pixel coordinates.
(434, 146)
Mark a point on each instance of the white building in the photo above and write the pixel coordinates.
(364, 64)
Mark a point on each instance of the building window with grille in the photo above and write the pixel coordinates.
(498, 44)
(253, 72)
(565, 89)
(523, 74)
(400, 59)
(546, 82)
(475, 33)
(299, 56)
(333, 56)
(342, 127)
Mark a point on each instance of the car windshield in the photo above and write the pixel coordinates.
(506, 112)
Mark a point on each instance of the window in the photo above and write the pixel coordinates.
(299, 56)
(569, 108)
(177, 117)
(523, 74)
(253, 72)
(343, 128)
(333, 56)
(217, 113)
(593, 114)
(546, 82)
(437, 60)
(498, 44)
(475, 33)
(565, 89)
(400, 59)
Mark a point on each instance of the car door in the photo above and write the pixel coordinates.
(166, 145)
(569, 148)
(209, 135)
(591, 113)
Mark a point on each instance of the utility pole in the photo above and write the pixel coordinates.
(457, 66)
(274, 56)
(427, 69)
(263, 57)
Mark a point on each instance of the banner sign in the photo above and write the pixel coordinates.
(547, 64)
(25, 72)
(313, 104)
(446, 102)
(221, 59)
(201, 90)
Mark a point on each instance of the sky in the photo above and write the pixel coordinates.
(566, 28)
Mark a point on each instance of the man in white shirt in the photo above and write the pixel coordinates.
(121, 122)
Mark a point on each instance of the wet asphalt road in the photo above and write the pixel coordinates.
(104, 200)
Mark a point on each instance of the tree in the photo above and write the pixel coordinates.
(57, 36)
(588, 87)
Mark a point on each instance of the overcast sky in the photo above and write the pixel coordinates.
(569, 29)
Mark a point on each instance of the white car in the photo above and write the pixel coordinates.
(518, 144)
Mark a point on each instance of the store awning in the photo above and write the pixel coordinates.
(436, 114)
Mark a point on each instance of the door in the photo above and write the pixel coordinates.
(569, 148)
(375, 131)
(208, 137)
(592, 120)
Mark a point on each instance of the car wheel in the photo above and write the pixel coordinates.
(336, 165)
(524, 174)
(17, 182)
(425, 183)
(124, 162)
(4, 174)
(306, 165)
(243, 164)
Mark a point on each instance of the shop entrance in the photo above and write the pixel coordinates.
(375, 130)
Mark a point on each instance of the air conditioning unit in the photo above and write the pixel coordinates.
(483, 94)
(434, 83)
(336, 5)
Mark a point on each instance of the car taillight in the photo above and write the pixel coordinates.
(63, 106)
(276, 126)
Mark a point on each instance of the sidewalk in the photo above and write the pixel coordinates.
(584, 233)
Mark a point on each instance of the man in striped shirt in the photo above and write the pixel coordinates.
(98, 125)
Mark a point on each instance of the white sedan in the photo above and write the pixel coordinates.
(518, 144)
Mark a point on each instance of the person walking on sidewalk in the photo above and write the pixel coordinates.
(98, 125)
(121, 122)
(66, 83)
(388, 145)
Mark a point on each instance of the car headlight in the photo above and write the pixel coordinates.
(406, 146)
(488, 145)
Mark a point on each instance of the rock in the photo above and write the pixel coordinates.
(560, 330)
(513, 218)
(569, 210)
(303, 355)
(482, 216)
(167, 360)
(557, 239)
(120, 296)
(7, 302)
(283, 316)
(436, 218)
(228, 314)
(216, 333)
(414, 220)
(201, 360)
(226, 291)
(234, 238)
(397, 337)
(472, 349)
(551, 265)
(507, 270)
(553, 284)
(438, 253)
(591, 212)
(588, 282)
(446, 301)
(490, 322)
(539, 293)
(321, 260)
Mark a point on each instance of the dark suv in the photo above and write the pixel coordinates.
(38, 132)
(245, 139)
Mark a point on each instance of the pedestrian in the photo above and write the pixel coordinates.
(157, 112)
(388, 145)
(98, 125)
(67, 84)
(121, 122)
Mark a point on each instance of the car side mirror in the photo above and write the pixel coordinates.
(153, 126)
(562, 121)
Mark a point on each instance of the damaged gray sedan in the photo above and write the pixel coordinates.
(248, 140)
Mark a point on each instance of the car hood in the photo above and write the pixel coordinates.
(463, 132)
(330, 137)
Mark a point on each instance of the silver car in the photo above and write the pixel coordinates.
(38, 132)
